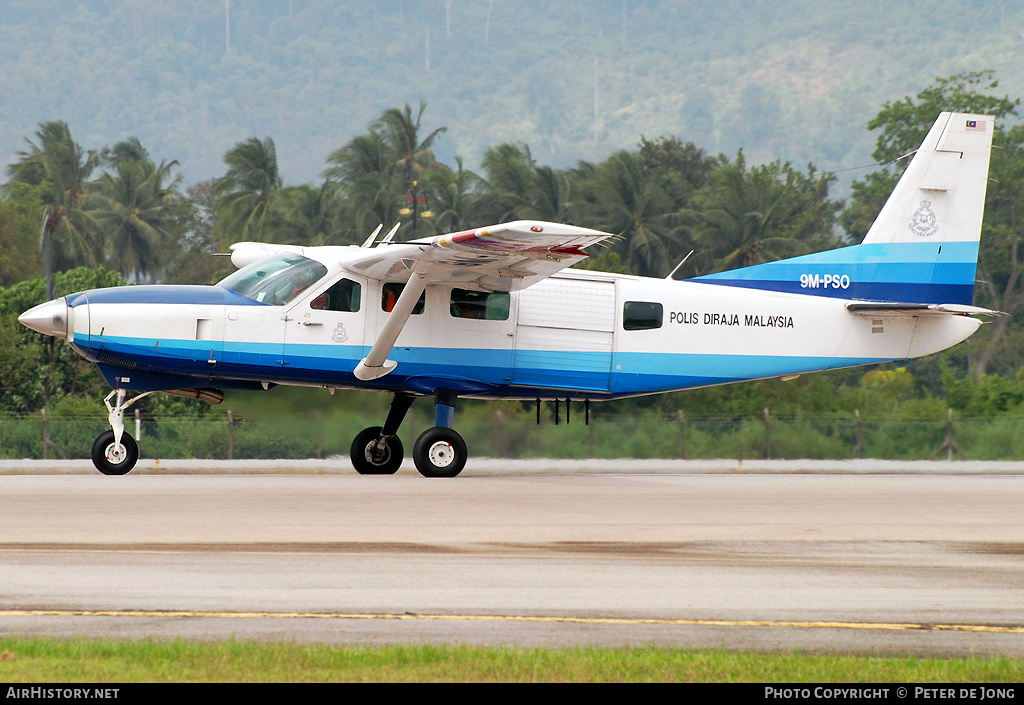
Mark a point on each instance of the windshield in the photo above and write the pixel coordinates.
(276, 280)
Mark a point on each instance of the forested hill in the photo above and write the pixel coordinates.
(576, 79)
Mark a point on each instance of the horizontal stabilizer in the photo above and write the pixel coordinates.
(877, 309)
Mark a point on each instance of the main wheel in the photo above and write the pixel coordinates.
(440, 452)
(112, 459)
(367, 460)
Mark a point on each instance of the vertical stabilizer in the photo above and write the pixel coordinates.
(922, 248)
(941, 195)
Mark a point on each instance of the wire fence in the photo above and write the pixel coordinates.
(502, 435)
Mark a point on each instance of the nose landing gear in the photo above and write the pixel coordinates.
(115, 452)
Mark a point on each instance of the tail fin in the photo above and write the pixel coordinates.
(922, 248)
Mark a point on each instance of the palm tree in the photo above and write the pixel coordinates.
(68, 236)
(618, 198)
(455, 197)
(246, 193)
(510, 173)
(310, 215)
(135, 208)
(363, 155)
(740, 218)
(410, 155)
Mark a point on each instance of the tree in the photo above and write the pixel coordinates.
(310, 215)
(618, 197)
(246, 193)
(135, 207)
(903, 126)
(21, 210)
(188, 258)
(62, 168)
(517, 188)
(410, 155)
(455, 195)
(745, 217)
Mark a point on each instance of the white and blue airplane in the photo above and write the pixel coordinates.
(495, 313)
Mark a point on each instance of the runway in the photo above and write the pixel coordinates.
(843, 563)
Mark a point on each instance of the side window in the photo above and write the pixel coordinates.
(345, 295)
(642, 315)
(483, 305)
(389, 297)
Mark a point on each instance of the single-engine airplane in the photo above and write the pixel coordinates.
(495, 313)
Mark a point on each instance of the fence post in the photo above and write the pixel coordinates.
(590, 438)
(46, 435)
(682, 435)
(857, 448)
(231, 435)
(949, 443)
(499, 445)
(767, 435)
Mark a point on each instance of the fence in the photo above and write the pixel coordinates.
(491, 433)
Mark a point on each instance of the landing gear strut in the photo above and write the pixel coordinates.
(115, 452)
(439, 451)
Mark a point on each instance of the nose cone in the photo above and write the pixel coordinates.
(50, 318)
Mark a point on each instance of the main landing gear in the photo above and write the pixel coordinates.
(439, 451)
(115, 452)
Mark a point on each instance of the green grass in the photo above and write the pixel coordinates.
(26, 660)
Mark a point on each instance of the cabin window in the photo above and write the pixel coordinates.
(389, 297)
(345, 295)
(482, 305)
(642, 315)
(276, 280)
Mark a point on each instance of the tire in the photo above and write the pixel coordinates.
(111, 460)
(363, 457)
(440, 452)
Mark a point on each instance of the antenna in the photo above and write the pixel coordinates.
(679, 265)
(369, 240)
(391, 234)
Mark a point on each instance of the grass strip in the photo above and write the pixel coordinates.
(50, 660)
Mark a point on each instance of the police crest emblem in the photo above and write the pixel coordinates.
(923, 223)
(340, 335)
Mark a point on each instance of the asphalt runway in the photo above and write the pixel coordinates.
(843, 562)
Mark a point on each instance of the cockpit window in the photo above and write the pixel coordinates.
(345, 295)
(276, 280)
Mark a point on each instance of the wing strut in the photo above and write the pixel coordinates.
(376, 363)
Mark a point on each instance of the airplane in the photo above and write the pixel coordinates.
(496, 313)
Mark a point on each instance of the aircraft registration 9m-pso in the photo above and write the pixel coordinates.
(495, 313)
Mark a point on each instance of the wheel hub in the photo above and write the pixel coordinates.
(375, 456)
(115, 453)
(441, 454)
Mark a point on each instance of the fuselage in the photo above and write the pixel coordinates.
(577, 334)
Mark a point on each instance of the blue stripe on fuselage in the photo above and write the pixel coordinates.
(332, 365)
(902, 272)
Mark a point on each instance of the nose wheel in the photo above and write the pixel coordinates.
(113, 458)
(115, 452)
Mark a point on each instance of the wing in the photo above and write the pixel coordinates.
(502, 257)
(499, 258)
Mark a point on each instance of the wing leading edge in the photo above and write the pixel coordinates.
(502, 257)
